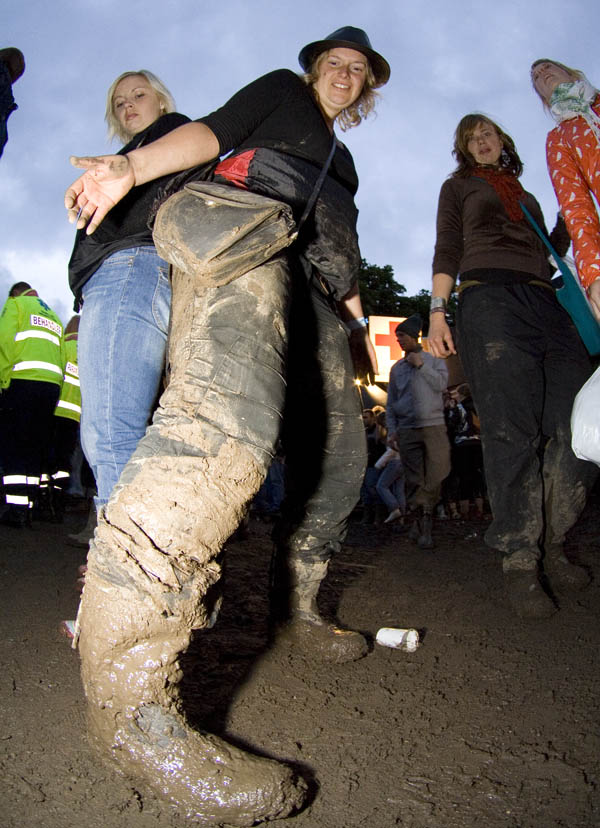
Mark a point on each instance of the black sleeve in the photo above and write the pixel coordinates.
(243, 114)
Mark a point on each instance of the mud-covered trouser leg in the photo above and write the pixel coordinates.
(323, 439)
(155, 557)
(525, 363)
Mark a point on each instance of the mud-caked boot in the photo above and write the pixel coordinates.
(526, 594)
(425, 539)
(132, 627)
(295, 615)
(563, 575)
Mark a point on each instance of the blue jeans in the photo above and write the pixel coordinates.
(368, 491)
(390, 485)
(121, 351)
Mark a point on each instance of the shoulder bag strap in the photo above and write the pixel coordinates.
(319, 183)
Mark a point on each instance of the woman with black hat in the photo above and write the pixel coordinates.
(251, 357)
(522, 356)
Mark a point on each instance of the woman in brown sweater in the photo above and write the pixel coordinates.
(522, 356)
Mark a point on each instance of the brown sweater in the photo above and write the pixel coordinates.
(475, 233)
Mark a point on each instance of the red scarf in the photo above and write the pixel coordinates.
(507, 186)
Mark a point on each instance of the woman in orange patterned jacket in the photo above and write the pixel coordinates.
(573, 155)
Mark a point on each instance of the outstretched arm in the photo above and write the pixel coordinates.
(110, 177)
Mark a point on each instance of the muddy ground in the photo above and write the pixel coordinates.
(491, 723)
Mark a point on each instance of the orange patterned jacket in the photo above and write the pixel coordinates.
(573, 156)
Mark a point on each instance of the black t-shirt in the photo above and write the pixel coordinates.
(281, 142)
(126, 225)
(279, 112)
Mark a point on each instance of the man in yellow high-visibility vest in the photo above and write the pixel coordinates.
(32, 356)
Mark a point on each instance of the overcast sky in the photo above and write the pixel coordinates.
(447, 58)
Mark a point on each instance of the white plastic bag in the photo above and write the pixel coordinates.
(585, 420)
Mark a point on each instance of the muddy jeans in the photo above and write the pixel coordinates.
(323, 432)
(525, 362)
(260, 357)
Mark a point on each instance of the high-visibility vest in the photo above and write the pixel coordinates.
(31, 342)
(69, 402)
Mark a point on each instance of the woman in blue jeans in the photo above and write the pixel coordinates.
(123, 289)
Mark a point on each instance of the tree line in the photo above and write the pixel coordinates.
(382, 295)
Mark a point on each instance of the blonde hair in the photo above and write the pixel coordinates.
(167, 103)
(575, 74)
(362, 106)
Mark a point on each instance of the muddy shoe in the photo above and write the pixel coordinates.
(205, 778)
(526, 594)
(323, 641)
(563, 575)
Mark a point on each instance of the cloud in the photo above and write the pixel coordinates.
(447, 59)
(43, 271)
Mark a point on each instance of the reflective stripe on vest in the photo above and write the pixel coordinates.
(28, 365)
(71, 380)
(17, 500)
(70, 406)
(21, 335)
(14, 479)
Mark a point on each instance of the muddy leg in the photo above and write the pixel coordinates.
(154, 562)
(325, 452)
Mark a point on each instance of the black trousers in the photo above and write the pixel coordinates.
(27, 419)
(525, 362)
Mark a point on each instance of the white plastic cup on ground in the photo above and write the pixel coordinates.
(398, 639)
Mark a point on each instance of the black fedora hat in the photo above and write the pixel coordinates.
(14, 60)
(350, 38)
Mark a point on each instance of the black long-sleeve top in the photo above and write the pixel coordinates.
(280, 142)
(126, 225)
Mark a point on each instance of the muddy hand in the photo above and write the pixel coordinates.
(106, 180)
